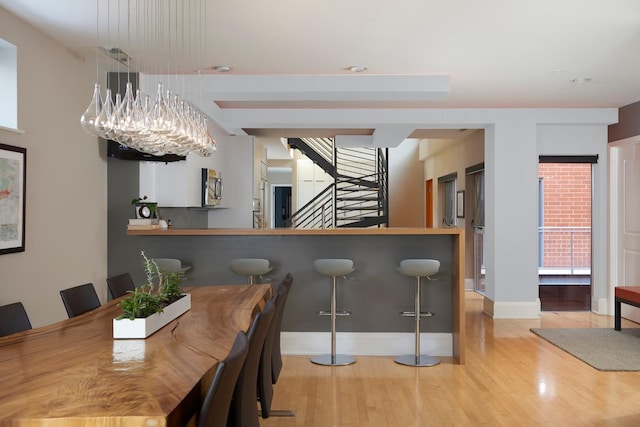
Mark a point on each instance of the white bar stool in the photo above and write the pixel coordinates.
(418, 268)
(250, 267)
(333, 268)
(170, 265)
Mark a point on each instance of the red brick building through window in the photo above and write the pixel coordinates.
(565, 229)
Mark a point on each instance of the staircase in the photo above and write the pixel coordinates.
(358, 197)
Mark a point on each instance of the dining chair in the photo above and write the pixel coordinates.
(120, 285)
(215, 407)
(80, 299)
(243, 411)
(265, 371)
(276, 353)
(13, 318)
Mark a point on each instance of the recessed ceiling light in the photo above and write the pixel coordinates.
(222, 68)
(358, 68)
(580, 80)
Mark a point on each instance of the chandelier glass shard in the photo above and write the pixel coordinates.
(161, 123)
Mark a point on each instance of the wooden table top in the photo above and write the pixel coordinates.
(74, 373)
(341, 231)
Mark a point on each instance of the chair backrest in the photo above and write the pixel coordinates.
(215, 407)
(119, 285)
(265, 374)
(276, 354)
(244, 409)
(80, 299)
(13, 318)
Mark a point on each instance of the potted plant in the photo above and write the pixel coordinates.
(153, 305)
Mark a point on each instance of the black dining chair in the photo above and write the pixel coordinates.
(266, 377)
(215, 407)
(276, 352)
(243, 411)
(13, 318)
(119, 285)
(80, 299)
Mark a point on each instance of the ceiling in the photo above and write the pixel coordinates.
(420, 54)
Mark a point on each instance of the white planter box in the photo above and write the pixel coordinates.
(142, 328)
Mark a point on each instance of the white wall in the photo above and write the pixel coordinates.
(406, 186)
(512, 146)
(587, 140)
(234, 159)
(66, 212)
(442, 157)
(510, 152)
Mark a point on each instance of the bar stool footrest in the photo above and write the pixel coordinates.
(413, 314)
(338, 313)
(281, 413)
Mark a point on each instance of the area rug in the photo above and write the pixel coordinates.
(603, 348)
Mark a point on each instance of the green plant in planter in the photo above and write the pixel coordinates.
(169, 286)
(146, 300)
(141, 303)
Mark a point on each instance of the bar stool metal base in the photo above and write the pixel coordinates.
(333, 360)
(412, 360)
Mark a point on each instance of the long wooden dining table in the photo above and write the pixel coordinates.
(74, 373)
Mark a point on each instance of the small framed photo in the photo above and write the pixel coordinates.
(460, 204)
(13, 175)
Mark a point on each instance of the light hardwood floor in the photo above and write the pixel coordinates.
(511, 378)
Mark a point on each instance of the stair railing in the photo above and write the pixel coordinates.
(317, 213)
(359, 195)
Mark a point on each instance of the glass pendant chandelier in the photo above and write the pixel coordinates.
(163, 125)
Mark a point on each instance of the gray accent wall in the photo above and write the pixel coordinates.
(375, 292)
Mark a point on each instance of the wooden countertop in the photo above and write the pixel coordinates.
(74, 373)
(295, 231)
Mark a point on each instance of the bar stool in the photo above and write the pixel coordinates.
(418, 268)
(250, 267)
(333, 268)
(171, 265)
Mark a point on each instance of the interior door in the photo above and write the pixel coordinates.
(428, 222)
(629, 222)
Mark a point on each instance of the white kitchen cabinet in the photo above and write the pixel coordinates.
(311, 180)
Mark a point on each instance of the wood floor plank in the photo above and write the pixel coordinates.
(511, 378)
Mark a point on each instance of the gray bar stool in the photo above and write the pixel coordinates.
(333, 268)
(418, 268)
(250, 267)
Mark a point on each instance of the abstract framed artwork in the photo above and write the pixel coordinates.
(13, 176)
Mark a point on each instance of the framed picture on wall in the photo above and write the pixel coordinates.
(460, 204)
(13, 175)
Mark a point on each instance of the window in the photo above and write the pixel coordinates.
(448, 187)
(8, 85)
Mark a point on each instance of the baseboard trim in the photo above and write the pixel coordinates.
(469, 284)
(366, 343)
(600, 306)
(512, 309)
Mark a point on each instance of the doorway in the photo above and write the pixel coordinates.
(564, 233)
(475, 183)
(428, 209)
(281, 205)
